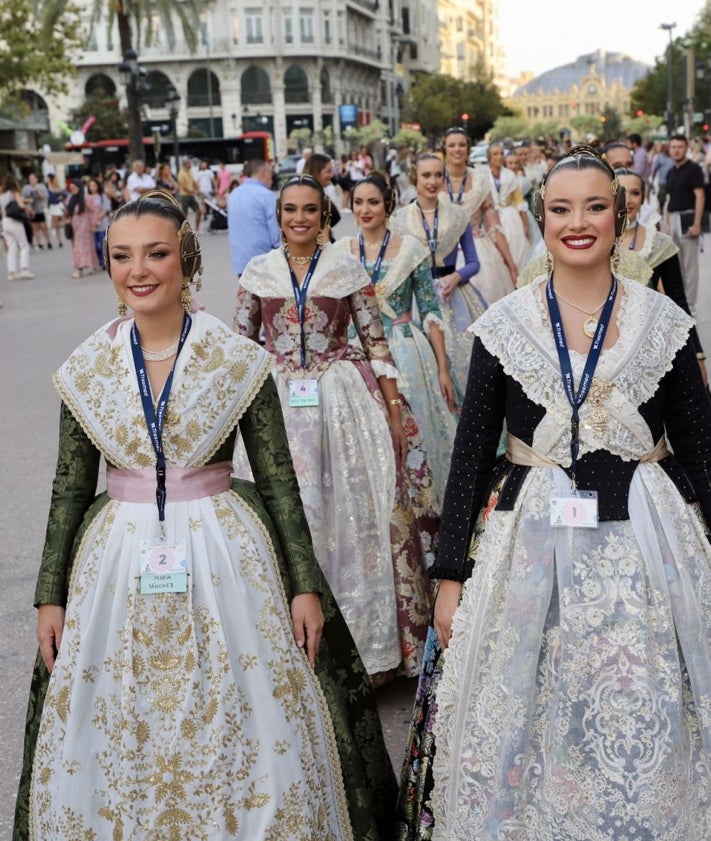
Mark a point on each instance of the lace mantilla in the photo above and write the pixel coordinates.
(411, 254)
(217, 375)
(657, 247)
(453, 220)
(473, 199)
(338, 275)
(652, 330)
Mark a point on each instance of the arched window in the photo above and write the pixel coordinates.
(156, 84)
(296, 85)
(33, 100)
(203, 89)
(101, 86)
(38, 108)
(326, 95)
(255, 88)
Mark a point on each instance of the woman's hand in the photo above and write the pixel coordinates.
(448, 284)
(307, 619)
(399, 436)
(446, 387)
(704, 373)
(447, 602)
(50, 624)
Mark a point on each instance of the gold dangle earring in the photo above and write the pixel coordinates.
(321, 238)
(549, 263)
(121, 308)
(615, 257)
(186, 296)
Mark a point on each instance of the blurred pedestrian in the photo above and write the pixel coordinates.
(15, 220)
(81, 222)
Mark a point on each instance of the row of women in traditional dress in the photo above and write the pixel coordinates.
(156, 674)
(373, 507)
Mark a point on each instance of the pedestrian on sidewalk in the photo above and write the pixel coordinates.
(14, 230)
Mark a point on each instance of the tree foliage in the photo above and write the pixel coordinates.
(140, 20)
(514, 127)
(436, 102)
(650, 94)
(111, 122)
(38, 45)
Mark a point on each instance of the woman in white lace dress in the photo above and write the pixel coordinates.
(575, 698)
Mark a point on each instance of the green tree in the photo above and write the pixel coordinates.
(143, 19)
(514, 127)
(111, 122)
(409, 137)
(436, 102)
(585, 125)
(611, 124)
(38, 45)
(650, 93)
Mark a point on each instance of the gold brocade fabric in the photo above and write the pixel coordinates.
(180, 716)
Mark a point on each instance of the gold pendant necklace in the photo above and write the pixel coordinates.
(372, 244)
(297, 260)
(590, 323)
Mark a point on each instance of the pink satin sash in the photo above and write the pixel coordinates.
(182, 483)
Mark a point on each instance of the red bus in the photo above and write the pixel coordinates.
(234, 151)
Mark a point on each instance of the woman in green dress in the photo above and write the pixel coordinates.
(195, 679)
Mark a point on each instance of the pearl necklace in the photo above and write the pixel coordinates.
(160, 355)
(590, 323)
(299, 261)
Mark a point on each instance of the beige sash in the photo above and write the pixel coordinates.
(518, 452)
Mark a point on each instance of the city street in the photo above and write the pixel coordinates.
(41, 322)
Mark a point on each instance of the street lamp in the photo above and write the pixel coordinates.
(670, 78)
(172, 98)
(133, 77)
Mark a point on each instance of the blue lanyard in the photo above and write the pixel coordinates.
(379, 261)
(460, 194)
(576, 399)
(431, 235)
(300, 298)
(155, 418)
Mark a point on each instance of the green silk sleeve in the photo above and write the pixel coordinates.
(73, 491)
(264, 435)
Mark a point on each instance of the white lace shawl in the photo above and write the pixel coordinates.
(652, 329)
(338, 274)
(453, 220)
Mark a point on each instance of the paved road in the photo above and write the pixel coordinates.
(41, 323)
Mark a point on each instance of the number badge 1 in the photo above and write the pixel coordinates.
(579, 510)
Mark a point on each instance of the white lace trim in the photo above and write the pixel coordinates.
(652, 330)
(453, 220)
(338, 274)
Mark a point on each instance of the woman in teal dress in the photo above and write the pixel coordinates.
(399, 269)
(196, 680)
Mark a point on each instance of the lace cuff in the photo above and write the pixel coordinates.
(430, 319)
(384, 369)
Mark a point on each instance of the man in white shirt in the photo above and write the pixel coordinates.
(301, 163)
(139, 182)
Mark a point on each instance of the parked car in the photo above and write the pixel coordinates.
(287, 165)
(477, 155)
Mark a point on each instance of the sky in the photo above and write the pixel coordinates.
(538, 37)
